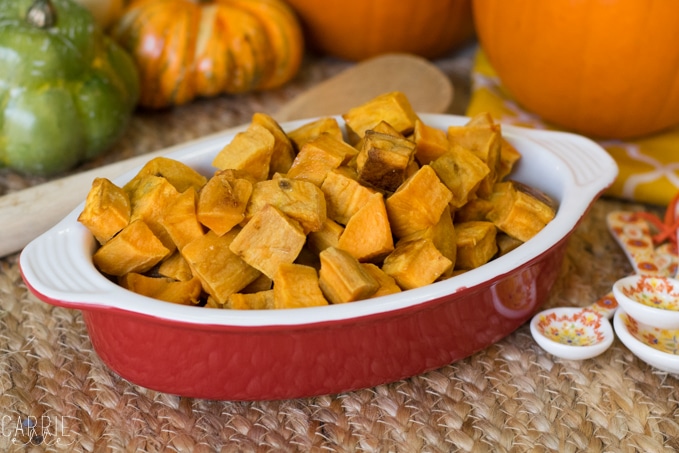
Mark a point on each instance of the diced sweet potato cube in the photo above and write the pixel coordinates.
(296, 286)
(107, 210)
(383, 160)
(220, 271)
(476, 244)
(313, 129)
(367, 236)
(393, 108)
(250, 150)
(175, 267)
(344, 195)
(163, 288)
(283, 151)
(223, 200)
(430, 142)
(506, 243)
(342, 278)
(387, 284)
(508, 154)
(268, 240)
(485, 143)
(418, 203)
(177, 173)
(416, 263)
(318, 156)
(300, 200)
(462, 172)
(261, 283)
(328, 236)
(517, 212)
(151, 197)
(442, 235)
(180, 220)
(134, 249)
(474, 209)
(262, 300)
(383, 128)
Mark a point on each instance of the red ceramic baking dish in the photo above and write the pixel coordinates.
(279, 354)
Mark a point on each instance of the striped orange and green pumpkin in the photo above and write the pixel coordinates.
(186, 49)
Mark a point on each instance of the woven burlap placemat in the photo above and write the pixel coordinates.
(57, 395)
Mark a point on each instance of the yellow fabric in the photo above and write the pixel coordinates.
(648, 167)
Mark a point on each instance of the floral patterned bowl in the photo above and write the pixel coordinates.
(572, 333)
(656, 346)
(649, 299)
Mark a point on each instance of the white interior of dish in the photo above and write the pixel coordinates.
(569, 168)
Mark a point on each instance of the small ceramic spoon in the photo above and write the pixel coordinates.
(582, 333)
(650, 298)
(575, 333)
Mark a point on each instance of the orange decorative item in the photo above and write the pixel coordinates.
(604, 68)
(186, 49)
(360, 29)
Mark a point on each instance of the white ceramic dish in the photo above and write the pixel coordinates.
(652, 300)
(655, 346)
(226, 354)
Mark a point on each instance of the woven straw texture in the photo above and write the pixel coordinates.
(57, 395)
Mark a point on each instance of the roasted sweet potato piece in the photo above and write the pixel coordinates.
(223, 200)
(283, 150)
(393, 108)
(517, 211)
(327, 236)
(179, 219)
(296, 286)
(342, 278)
(387, 284)
(250, 150)
(313, 129)
(442, 236)
(474, 209)
(344, 195)
(150, 198)
(162, 288)
(318, 156)
(430, 142)
(220, 271)
(383, 160)
(462, 172)
(300, 200)
(367, 236)
(418, 203)
(268, 240)
(509, 155)
(177, 173)
(476, 244)
(416, 263)
(262, 300)
(107, 210)
(485, 143)
(506, 243)
(175, 267)
(134, 249)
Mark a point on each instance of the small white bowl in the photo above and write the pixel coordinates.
(651, 300)
(655, 346)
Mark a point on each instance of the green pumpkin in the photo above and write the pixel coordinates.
(67, 90)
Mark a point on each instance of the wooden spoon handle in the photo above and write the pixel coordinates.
(26, 214)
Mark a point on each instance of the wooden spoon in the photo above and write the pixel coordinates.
(26, 214)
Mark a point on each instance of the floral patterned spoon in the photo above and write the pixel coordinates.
(582, 333)
(651, 298)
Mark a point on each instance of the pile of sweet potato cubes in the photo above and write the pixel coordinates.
(314, 216)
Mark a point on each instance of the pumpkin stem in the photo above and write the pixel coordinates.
(42, 14)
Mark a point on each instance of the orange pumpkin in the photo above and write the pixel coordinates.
(187, 48)
(359, 29)
(604, 68)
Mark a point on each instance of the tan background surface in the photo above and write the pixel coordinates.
(510, 397)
